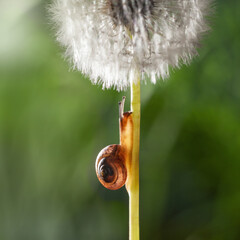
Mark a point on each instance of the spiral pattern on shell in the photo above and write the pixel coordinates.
(110, 167)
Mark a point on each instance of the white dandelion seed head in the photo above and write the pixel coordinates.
(109, 39)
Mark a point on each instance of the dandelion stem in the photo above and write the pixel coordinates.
(134, 171)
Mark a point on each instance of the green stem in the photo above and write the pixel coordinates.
(134, 171)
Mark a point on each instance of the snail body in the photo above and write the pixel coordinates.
(113, 161)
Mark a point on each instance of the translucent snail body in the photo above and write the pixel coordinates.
(113, 162)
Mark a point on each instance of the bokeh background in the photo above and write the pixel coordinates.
(53, 123)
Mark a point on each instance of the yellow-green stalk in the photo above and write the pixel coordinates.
(133, 190)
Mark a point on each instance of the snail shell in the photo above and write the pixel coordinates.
(111, 168)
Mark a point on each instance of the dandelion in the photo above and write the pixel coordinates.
(107, 39)
(119, 43)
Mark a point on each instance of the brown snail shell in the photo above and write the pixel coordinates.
(111, 168)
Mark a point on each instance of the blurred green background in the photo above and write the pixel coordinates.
(53, 122)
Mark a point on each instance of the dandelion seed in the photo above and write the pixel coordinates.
(108, 39)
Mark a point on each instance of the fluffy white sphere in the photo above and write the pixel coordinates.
(109, 39)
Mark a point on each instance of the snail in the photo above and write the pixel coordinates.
(113, 161)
